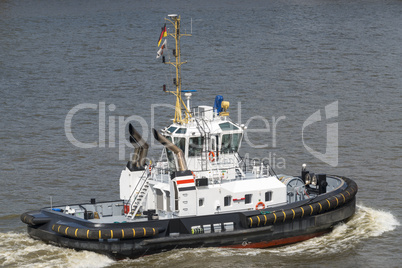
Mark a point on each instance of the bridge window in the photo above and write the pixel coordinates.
(172, 129)
(230, 143)
(181, 131)
(228, 126)
(181, 143)
(195, 146)
(170, 156)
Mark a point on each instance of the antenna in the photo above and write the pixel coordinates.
(180, 105)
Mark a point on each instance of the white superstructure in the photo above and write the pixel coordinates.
(201, 171)
(215, 181)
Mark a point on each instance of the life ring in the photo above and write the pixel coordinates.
(193, 175)
(260, 205)
(126, 209)
(211, 156)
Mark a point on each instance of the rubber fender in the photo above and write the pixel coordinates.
(95, 234)
(32, 220)
(322, 206)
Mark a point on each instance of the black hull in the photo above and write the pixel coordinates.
(284, 225)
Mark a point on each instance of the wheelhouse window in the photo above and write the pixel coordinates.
(268, 196)
(228, 126)
(230, 143)
(195, 146)
(228, 200)
(181, 143)
(172, 129)
(248, 198)
(181, 131)
(170, 156)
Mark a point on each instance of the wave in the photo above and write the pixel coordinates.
(367, 222)
(19, 250)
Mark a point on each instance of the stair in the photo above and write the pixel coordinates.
(138, 195)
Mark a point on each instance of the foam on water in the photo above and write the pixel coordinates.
(367, 222)
(19, 250)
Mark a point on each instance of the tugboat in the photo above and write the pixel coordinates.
(201, 193)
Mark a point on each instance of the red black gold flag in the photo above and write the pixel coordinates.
(163, 34)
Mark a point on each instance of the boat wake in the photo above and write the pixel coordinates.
(19, 250)
(367, 222)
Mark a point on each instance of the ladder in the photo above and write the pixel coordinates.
(139, 193)
(207, 136)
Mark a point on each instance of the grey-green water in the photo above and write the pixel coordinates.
(270, 59)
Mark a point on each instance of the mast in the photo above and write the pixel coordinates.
(180, 105)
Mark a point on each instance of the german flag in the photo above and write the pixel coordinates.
(163, 34)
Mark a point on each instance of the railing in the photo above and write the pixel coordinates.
(258, 168)
(243, 169)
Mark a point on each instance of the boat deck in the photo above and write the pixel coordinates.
(113, 211)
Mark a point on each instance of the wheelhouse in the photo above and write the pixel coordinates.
(204, 143)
